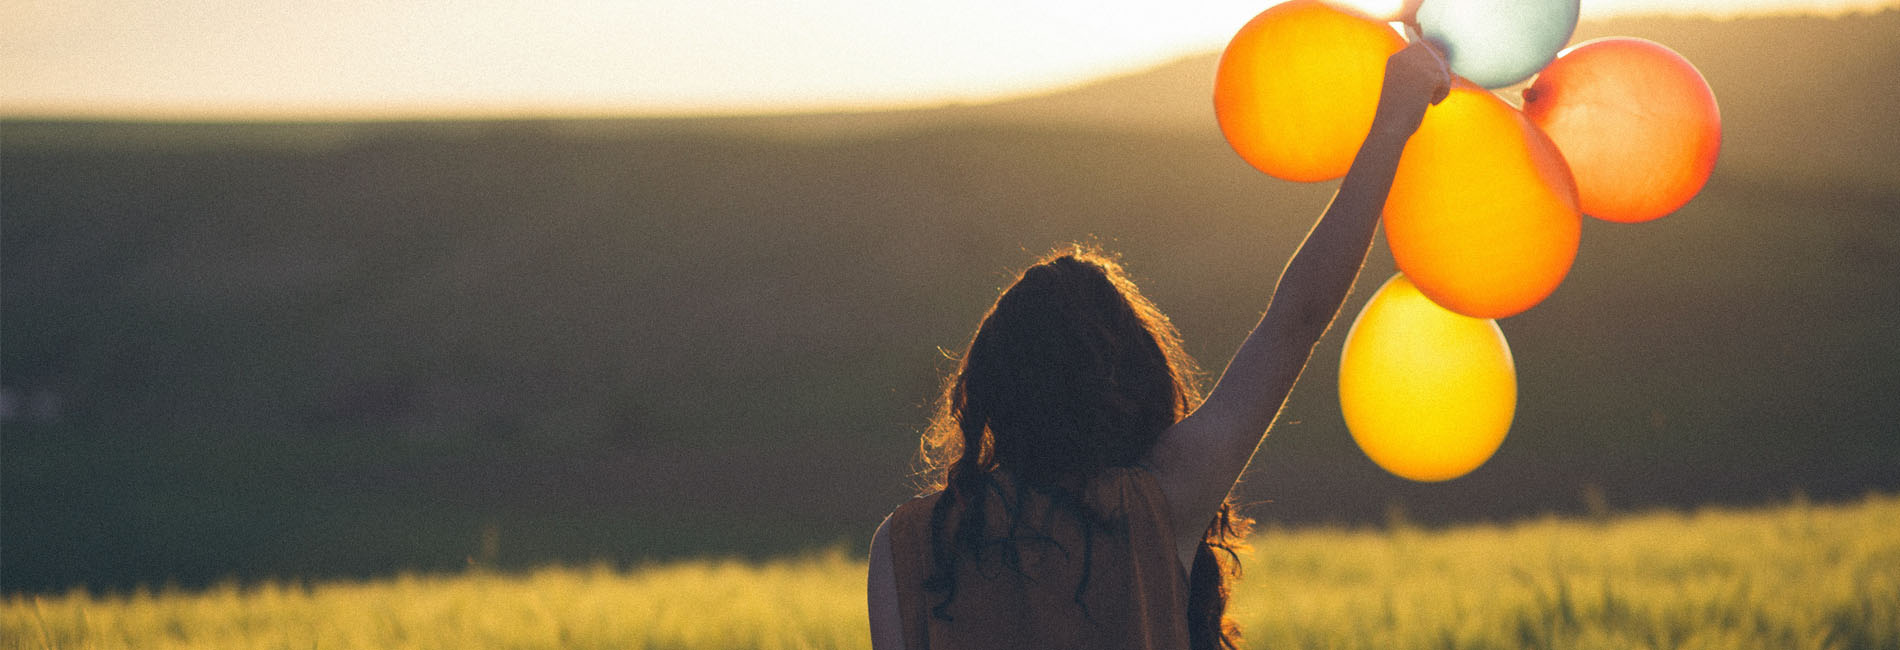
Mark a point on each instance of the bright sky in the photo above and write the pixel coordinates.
(221, 59)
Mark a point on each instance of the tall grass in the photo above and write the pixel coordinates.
(811, 602)
(1797, 576)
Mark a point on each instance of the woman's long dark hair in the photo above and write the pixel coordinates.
(1072, 372)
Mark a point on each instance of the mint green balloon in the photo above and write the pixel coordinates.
(1496, 43)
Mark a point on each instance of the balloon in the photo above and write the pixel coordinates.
(1482, 214)
(1636, 121)
(1296, 88)
(1427, 394)
(1496, 43)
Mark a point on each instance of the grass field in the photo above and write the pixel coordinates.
(1794, 576)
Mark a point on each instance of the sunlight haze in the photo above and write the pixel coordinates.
(274, 59)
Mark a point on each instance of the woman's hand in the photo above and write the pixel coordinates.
(1414, 78)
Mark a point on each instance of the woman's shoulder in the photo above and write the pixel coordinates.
(914, 511)
(920, 502)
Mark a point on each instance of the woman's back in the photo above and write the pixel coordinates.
(1074, 374)
(1135, 595)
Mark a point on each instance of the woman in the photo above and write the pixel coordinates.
(1081, 491)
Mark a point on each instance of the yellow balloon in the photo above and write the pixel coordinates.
(1427, 393)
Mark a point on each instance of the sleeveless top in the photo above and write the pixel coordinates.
(1136, 597)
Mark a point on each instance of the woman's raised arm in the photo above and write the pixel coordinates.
(1198, 459)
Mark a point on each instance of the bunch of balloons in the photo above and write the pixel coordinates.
(1485, 213)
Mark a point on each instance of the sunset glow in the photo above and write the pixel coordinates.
(279, 59)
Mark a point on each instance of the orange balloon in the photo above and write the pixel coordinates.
(1482, 214)
(1637, 122)
(1428, 394)
(1296, 88)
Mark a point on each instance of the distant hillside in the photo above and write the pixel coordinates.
(331, 349)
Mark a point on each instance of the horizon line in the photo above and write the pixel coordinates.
(290, 113)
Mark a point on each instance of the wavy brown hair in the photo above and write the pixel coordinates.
(1071, 372)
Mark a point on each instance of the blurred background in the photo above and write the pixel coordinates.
(314, 292)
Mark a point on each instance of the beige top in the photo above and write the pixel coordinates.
(1136, 597)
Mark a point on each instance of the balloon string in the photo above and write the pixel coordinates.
(1416, 34)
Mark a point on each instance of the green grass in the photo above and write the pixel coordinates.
(1795, 576)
